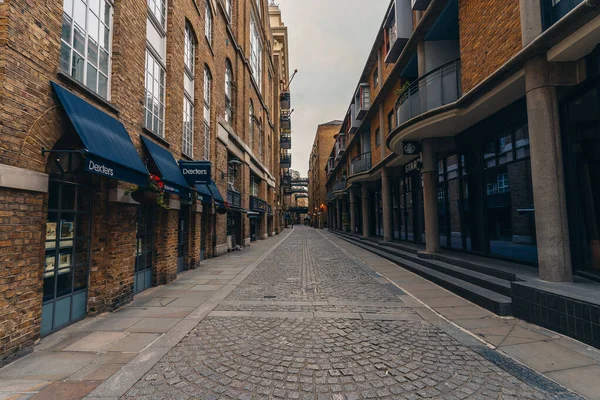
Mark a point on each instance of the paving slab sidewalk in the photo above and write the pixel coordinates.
(566, 361)
(106, 354)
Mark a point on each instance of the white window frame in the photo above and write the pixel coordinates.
(207, 101)
(208, 23)
(189, 51)
(503, 185)
(255, 53)
(228, 92)
(157, 129)
(187, 147)
(158, 9)
(251, 125)
(67, 44)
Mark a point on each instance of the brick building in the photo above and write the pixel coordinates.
(122, 124)
(471, 140)
(317, 163)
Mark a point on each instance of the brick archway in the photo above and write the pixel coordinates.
(43, 134)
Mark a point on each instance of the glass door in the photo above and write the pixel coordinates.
(67, 255)
(145, 245)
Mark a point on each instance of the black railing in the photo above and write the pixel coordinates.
(257, 204)
(286, 141)
(361, 163)
(286, 100)
(553, 10)
(286, 122)
(286, 160)
(339, 185)
(234, 199)
(437, 88)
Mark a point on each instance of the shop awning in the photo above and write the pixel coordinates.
(173, 179)
(108, 148)
(216, 194)
(204, 193)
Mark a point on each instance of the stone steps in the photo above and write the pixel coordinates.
(490, 292)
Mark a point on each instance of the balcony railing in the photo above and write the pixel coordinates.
(339, 185)
(553, 10)
(286, 121)
(361, 163)
(286, 100)
(286, 161)
(286, 141)
(435, 89)
(234, 198)
(257, 204)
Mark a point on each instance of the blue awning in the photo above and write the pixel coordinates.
(173, 179)
(108, 148)
(216, 194)
(204, 193)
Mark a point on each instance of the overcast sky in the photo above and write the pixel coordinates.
(329, 43)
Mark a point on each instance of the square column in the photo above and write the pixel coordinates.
(338, 219)
(365, 210)
(429, 172)
(345, 219)
(386, 194)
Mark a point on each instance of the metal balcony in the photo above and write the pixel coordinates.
(437, 88)
(398, 28)
(286, 121)
(285, 100)
(286, 161)
(362, 100)
(234, 198)
(285, 141)
(339, 185)
(354, 122)
(361, 163)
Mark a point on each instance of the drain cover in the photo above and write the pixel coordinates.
(270, 297)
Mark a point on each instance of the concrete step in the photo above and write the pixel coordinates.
(464, 282)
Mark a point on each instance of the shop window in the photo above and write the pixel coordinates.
(85, 43)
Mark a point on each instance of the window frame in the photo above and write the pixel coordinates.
(256, 49)
(208, 23)
(187, 145)
(189, 51)
(228, 91)
(251, 125)
(377, 137)
(86, 41)
(376, 78)
(151, 56)
(161, 19)
(206, 98)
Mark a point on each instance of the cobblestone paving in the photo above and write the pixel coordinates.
(250, 357)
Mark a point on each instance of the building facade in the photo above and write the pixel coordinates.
(473, 128)
(125, 128)
(317, 165)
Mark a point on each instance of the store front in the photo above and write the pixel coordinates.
(412, 227)
(581, 133)
(485, 194)
(95, 150)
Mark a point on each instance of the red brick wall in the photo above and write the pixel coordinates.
(22, 227)
(490, 34)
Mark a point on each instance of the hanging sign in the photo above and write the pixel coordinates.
(196, 172)
(411, 147)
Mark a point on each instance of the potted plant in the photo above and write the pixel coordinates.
(153, 193)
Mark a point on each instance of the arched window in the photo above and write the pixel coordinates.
(207, 94)
(251, 125)
(228, 92)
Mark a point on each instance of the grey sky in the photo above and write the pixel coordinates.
(329, 44)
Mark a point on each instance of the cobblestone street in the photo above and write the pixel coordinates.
(312, 322)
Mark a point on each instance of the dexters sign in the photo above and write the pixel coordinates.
(196, 171)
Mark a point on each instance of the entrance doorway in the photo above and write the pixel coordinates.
(253, 229)
(67, 255)
(145, 244)
(182, 239)
(411, 206)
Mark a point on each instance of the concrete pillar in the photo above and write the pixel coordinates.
(352, 196)
(429, 171)
(547, 173)
(365, 210)
(338, 217)
(531, 20)
(386, 194)
(345, 219)
(422, 64)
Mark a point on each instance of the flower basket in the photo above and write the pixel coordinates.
(154, 193)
